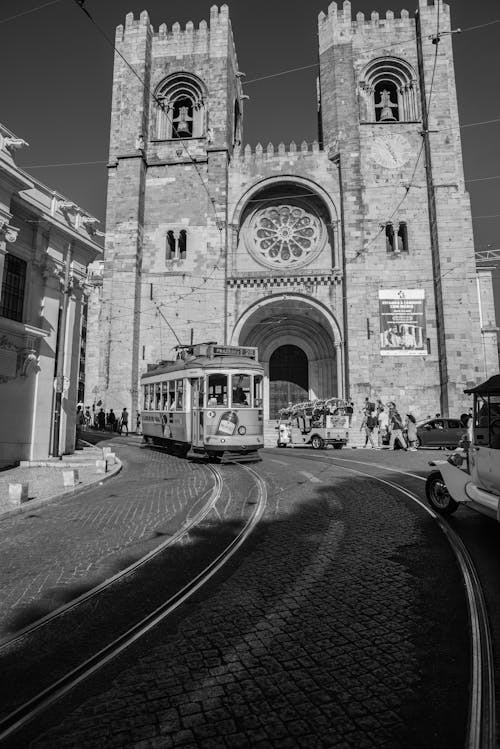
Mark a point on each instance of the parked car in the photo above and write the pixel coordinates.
(440, 433)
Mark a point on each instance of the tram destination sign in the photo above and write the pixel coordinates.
(248, 351)
(402, 322)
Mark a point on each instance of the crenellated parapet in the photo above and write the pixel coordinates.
(270, 151)
(338, 24)
(187, 40)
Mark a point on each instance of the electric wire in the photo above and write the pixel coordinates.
(160, 104)
(30, 10)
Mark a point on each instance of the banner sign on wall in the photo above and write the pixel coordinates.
(402, 322)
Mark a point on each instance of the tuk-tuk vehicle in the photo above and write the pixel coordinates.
(317, 423)
(471, 475)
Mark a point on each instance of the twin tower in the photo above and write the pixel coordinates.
(348, 261)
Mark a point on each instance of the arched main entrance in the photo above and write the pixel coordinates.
(299, 344)
(288, 378)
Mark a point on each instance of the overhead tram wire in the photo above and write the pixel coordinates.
(417, 161)
(218, 223)
(158, 102)
(371, 49)
(81, 3)
(30, 10)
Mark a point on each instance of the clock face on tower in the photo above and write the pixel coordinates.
(390, 151)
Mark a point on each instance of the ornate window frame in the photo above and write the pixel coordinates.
(401, 82)
(176, 242)
(180, 90)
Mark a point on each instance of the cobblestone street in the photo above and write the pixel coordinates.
(322, 632)
(54, 553)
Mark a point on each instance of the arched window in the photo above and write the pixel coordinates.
(176, 244)
(170, 248)
(182, 244)
(403, 237)
(182, 110)
(388, 91)
(396, 239)
(389, 238)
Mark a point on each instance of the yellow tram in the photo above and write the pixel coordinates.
(209, 402)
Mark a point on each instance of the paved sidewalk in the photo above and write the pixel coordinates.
(46, 481)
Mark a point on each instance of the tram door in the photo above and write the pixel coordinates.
(197, 394)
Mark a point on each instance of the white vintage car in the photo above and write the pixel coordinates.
(471, 476)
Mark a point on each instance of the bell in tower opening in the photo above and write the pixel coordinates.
(386, 106)
(182, 120)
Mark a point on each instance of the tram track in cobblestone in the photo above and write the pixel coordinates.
(192, 520)
(28, 709)
(481, 719)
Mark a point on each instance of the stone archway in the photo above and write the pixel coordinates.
(297, 322)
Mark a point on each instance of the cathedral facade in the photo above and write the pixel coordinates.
(348, 262)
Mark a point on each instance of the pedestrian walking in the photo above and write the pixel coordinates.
(368, 424)
(80, 422)
(383, 427)
(396, 429)
(101, 420)
(124, 421)
(138, 424)
(411, 431)
(112, 420)
(349, 410)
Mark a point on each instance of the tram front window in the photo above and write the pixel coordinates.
(217, 390)
(241, 393)
(258, 398)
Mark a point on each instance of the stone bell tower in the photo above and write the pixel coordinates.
(390, 121)
(176, 116)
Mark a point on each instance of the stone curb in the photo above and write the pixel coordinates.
(36, 503)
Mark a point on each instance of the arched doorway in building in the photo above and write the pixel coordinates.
(300, 346)
(288, 378)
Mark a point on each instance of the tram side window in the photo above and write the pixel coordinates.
(157, 396)
(179, 401)
(241, 393)
(171, 394)
(258, 385)
(217, 390)
(145, 401)
(164, 396)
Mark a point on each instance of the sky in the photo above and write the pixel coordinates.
(57, 74)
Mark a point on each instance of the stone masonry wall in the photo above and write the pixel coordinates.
(374, 194)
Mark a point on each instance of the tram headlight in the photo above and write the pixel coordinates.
(242, 430)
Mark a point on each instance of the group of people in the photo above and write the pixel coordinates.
(384, 423)
(101, 420)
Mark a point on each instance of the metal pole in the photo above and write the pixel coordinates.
(433, 227)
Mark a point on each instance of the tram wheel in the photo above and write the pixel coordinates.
(317, 443)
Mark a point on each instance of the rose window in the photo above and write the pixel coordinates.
(285, 234)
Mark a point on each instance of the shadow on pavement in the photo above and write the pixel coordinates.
(341, 622)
